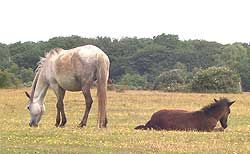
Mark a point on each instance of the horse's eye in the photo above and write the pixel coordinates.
(28, 107)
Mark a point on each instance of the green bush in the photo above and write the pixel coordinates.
(173, 80)
(216, 79)
(19, 76)
(4, 80)
(26, 75)
(8, 80)
(133, 81)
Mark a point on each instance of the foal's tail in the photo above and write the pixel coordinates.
(102, 78)
(149, 125)
(142, 127)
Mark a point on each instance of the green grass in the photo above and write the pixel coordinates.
(125, 111)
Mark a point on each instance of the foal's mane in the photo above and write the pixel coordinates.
(217, 104)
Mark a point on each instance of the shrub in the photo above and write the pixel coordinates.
(4, 81)
(8, 79)
(173, 80)
(216, 79)
(133, 81)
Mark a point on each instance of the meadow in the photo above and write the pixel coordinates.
(125, 111)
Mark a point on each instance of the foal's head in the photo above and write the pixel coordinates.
(226, 108)
(220, 109)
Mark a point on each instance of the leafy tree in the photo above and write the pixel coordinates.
(169, 41)
(4, 56)
(24, 54)
(147, 57)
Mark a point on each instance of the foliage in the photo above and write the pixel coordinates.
(4, 79)
(172, 80)
(8, 80)
(4, 56)
(134, 81)
(15, 76)
(216, 79)
(146, 57)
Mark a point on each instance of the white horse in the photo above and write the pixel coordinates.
(73, 70)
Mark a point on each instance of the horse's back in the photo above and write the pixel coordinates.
(89, 50)
(85, 52)
(76, 67)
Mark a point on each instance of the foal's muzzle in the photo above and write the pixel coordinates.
(224, 126)
(33, 124)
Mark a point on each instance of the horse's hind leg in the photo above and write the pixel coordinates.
(60, 93)
(89, 101)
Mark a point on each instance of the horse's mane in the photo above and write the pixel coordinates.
(217, 104)
(48, 55)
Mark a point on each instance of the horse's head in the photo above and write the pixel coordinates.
(36, 110)
(226, 111)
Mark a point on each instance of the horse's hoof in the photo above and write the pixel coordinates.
(57, 125)
(104, 126)
(62, 126)
(81, 125)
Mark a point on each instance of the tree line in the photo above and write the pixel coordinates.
(163, 62)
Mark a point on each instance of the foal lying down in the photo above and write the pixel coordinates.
(204, 119)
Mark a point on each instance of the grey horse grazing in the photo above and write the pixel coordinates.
(73, 70)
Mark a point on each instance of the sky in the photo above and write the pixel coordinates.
(223, 21)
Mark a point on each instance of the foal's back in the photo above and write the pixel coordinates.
(179, 120)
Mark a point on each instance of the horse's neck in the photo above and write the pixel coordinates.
(40, 89)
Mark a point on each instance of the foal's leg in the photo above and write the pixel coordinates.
(60, 93)
(221, 129)
(89, 101)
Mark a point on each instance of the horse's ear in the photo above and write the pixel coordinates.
(215, 100)
(27, 94)
(230, 103)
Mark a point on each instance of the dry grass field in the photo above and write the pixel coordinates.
(125, 111)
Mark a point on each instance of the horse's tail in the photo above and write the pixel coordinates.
(102, 78)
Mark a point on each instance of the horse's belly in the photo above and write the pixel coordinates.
(70, 84)
(71, 88)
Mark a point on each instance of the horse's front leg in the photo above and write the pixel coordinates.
(89, 101)
(64, 120)
(58, 114)
(60, 93)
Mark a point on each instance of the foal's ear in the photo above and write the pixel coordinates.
(215, 100)
(230, 103)
(27, 94)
